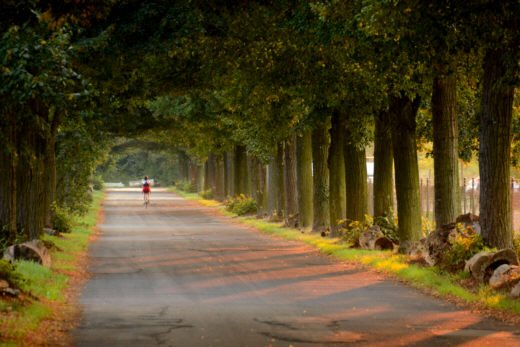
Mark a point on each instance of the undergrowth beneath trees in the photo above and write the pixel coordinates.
(45, 304)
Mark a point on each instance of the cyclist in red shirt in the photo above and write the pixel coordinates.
(146, 190)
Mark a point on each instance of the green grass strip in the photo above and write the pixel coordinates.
(48, 283)
(441, 283)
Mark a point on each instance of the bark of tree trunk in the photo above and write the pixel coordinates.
(383, 166)
(258, 181)
(304, 178)
(220, 180)
(228, 173)
(184, 166)
(495, 152)
(50, 171)
(337, 173)
(290, 183)
(403, 112)
(193, 172)
(445, 149)
(207, 174)
(275, 187)
(8, 204)
(240, 170)
(320, 179)
(355, 181)
(200, 177)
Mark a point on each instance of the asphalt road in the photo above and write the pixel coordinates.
(178, 274)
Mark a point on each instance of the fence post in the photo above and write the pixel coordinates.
(464, 202)
(472, 197)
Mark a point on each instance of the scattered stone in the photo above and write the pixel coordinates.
(11, 291)
(33, 250)
(515, 291)
(50, 231)
(469, 220)
(499, 278)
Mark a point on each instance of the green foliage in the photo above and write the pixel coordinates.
(388, 227)
(131, 160)
(8, 273)
(187, 186)
(352, 229)
(466, 244)
(97, 182)
(79, 150)
(206, 194)
(61, 219)
(7, 239)
(240, 205)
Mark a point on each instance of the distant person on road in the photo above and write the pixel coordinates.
(146, 189)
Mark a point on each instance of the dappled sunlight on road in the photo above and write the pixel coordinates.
(189, 272)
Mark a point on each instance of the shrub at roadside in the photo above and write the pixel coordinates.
(241, 205)
(61, 219)
(206, 194)
(187, 186)
(97, 183)
(388, 227)
(9, 274)
(352, 229)
(466, 244)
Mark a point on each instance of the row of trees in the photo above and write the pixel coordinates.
(279, 99)
(284, 74)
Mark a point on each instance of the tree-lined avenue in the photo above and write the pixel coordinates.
(179, 274)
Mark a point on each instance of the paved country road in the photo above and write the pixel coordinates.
(178, 274)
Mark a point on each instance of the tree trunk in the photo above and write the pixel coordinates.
(445, 149)
(228, 173)
(207, 174)
(356, 181)
(193, 174)
(240, 170)
(304, 179)
(200, 177)
(337, 173)
(383, 166)
(184, 166)
(211, 181)
(320, 178)
(50, 171)
(220, 180)
(8, 204)
(32, 192)
(290, 183)
(403, 112)
(275, 187)
(258, 182)
(495, 152)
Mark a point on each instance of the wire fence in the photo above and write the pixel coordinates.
(469, 198)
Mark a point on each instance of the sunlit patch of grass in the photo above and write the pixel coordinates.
(41, 281)
(23, 320)
(47, 283)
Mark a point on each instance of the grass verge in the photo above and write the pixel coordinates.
(45, 299)
(430, 279)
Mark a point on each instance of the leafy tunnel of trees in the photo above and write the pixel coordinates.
(273, 99)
